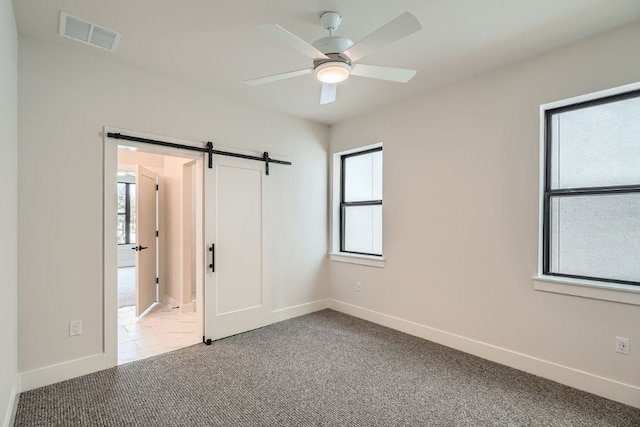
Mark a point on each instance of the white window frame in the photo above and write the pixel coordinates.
(336, 254)
(595, 289)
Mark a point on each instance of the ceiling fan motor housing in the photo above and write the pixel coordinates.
(333, 44)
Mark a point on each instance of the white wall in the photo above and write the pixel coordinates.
(174, 227)
(65, 99)
(9, 211)
(461, 222)
(189, 239)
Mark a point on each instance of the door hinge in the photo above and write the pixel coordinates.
(157, 280)
(157, 235)
(156, 187)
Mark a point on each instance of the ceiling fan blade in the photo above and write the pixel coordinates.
(328, 94)
(276, 77)
(396, 29)
(290, 39)
(400, 75)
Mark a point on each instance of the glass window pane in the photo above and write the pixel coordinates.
(596, 146)
(363, 229)
(132, 201)
(363, 177)
(121, 228)
(132, 213)
(596, 236)
(121, 197)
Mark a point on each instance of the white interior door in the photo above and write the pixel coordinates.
(146, 286)
(236, 297)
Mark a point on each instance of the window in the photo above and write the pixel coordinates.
(361, 202)
(591, 189)
(126, 213)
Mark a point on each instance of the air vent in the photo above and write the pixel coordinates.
(83, 31)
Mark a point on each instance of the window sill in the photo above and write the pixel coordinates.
(626, 294)
(370, 261)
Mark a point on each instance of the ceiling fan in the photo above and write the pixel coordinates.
(335, 57)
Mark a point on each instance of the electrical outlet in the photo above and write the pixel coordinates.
(358, 286)
(622, 345)
(75, 328)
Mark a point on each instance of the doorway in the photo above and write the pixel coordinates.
(229, 235)
(157, 229)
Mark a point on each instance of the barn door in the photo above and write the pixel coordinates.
(236, 297)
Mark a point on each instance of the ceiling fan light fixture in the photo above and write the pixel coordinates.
(333, 72)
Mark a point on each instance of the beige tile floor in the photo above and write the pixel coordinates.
(161, 330)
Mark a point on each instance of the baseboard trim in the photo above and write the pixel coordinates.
(41, 377)
(585, 381)
(601, 386)
(188, 307)
(12, 406)
(298, 310)
(169, 301)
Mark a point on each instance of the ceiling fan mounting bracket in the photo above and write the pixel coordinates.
(330, 21)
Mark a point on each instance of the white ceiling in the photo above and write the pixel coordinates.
(216, 43)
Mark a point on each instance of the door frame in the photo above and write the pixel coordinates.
(110, 253)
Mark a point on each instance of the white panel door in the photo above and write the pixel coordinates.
(145, 248)
(236, 297)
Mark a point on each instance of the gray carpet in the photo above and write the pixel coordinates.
(323, 369)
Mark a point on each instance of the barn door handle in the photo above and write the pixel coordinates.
(212, 266)
(139, 248)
